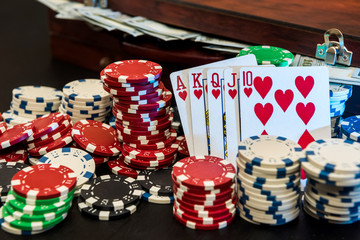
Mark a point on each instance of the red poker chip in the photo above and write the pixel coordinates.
(145, 121)
(143, 142)
(163, 135)
(203, 220)
(228, 204)
(133, 88)
(59, 143)
(195, 213)
(183, 149)
(157, 93)
(133, 71)
(118, 167)
(46, 124)
(44, 181)
(165, 125)
(159, 121)
(139, 102)
(96, 137)
(124, 93)
(204, 172)
(146, 168)
(126, 109)
(99, 159)
(54, 135)
(194, 225)
(142, 115)
(164, 102)
(110, 82)
(13, 153)
(204, 197)
(187, 199)
(3, 127)
(159, 145)
(129, 131)
(149, 163)
(15, 134)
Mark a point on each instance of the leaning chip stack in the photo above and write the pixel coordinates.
(142, 110)
(332, 193)
(350, 128)
(109, 197)
(339, 94)
(204, 192)
(157, 185)
(30, 102)
(266, 55)
(40, 198)
(269, 180)
(51, 132)
(86, 99)
(118, 167)
(16, 153)
(97, 138)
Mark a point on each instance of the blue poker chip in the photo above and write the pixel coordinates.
(337, 89)
(112, 121)
(350, 127)
(157, 199)
(337, 113)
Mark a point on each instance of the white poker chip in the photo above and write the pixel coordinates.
(13, 119)
(37, 94)
(76, 159)
(86, 90)
(270, 151)
(335, 155)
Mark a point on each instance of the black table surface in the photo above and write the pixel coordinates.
(25, 59)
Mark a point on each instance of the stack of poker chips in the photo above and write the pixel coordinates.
(118, 167)
(332, 193)
(157, 185)
(30, 102)
(109, 197)
(350, 128)
(97, 138)
(142, 110)
(7, 171)
(269, 180)
(33, 205)
(86, 99)
(339, 94)
(51, 132)
(76, 159)
(204, 192)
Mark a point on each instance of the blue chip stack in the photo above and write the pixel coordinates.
(350, 128)
(268, 176)
(339, 94)
(332, 192)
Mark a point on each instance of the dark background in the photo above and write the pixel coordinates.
(25, 59)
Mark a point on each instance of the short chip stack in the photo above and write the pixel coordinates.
(51, 132)
(339, 94)
(269, 180)
(30, 102)
(142, 110)
(350, 128)
(109, 197)
(40, 198)
(204, 192)
(86, 99)
(118, 167)
(157, 185)
(97, 138)
(333, 190)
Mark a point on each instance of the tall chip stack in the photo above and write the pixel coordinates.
(142, 110)
(204, 192)
(268, 178)
(339, 94)
(332, 192)
(86, 99)
(30, 102)
(33, 205)
(350, 128)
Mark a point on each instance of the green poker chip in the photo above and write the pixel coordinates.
(42, 201)
(29, 226)
(36, 209)
(35, 218)
(266, 55)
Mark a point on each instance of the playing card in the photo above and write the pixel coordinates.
(292, 102)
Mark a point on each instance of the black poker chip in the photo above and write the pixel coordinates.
(157, 182)
(7, 171)
(111, 192)
(104, 215)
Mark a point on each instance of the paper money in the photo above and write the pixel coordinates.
(220, 42)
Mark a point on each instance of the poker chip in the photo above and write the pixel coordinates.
(38, 94)
(266, 55)
(183, 149)
(121, 112)
(12, 119)
(112, 122)
(156, 182)
(204, 214)
(141, 164)
(159, 145)
(15, 134)
(46, 124)
(29, 183)
(133, 71)
(134, 97)
(79, 161)
(165, 125)
(3, 127)
(156, 122)
(134, 138)
(85, 90)
(350, 127)
(151, 198)
(15, 153)
(165, 102)
(138, 102)
(96, 137)
(7, 171)
(339, 94)
(118, 167)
